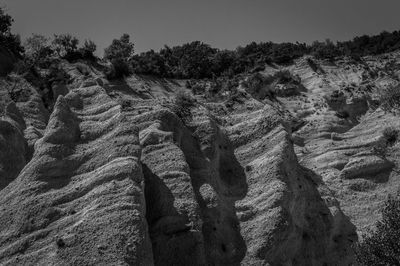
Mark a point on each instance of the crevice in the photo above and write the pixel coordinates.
(217, 184)
(217, 180)
(175, 240)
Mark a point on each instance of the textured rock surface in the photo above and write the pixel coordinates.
(109, 173)
(80, 200)
(30, 108)
(343, 139)
(283, 218)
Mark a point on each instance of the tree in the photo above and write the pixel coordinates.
(325, 50)
(5, 22)
(65, 45)
(120, 48)
(120, 52)
(223, 62)
(382, 247)
(8, 40)
(37, 48)
(150, 63)
(88, 49)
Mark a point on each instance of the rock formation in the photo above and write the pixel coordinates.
(110, 173)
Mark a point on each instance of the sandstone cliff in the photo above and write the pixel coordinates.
(111, 174)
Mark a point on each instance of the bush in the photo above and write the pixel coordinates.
(120, 49)
(284, 76)
(118, 70)
(382, 247)
(119, 53)
(234, 96)
(188, 84)
(38, 50)
(87, 50)
(22, 67)
(198, 88)
(285, 53)
(325, 50)
(390, 99)
(66, 46)
(197, 60)
(391, 135)
(260, 86)
(57, 75)
(182, 105)
(8, 40)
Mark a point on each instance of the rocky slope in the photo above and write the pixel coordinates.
(344, 134)
(115, 173)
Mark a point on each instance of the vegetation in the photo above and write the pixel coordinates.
(121, 48)
(119, 53)
(119, 68)
(382, 247)
(390, 99)
(182, 105)
(56, 74)
(195, 60)
(198, 60)
(65, 45)
(38, 50)
(391, 135)
(325, 50)
(8, 40)
(87, 50)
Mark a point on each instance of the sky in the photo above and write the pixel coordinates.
(220, 23)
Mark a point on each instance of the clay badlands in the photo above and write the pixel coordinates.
(146, 170)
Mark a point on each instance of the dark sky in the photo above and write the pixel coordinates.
(221, 23)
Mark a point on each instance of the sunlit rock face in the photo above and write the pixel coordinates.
(98, 172)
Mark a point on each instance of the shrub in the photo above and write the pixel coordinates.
(188, 84)
(120, 49)
(198, 60)
(234, 96)
(149, 63)
(391, 135)
(57, 75)
(255, 81)
(119, 69)
(284, 53)
(8, 40)
(119, 53)
(198, 88)
(182, 105)
(66, 46)
(325, 50)
(390, 99)
(284, 76)
(60, 242)
(260, 86)
(22, 67)
(382, 246)
(37, 50)
(87, 50)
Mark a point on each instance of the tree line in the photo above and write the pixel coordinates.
(195, 60)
